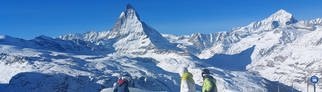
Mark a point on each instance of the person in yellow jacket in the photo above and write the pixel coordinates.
(187, 82)
(209, 83)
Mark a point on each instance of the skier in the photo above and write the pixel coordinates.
(187, 82)
(122, 85)
(209, 83)
(129, 79)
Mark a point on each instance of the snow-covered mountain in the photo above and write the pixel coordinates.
(245, 59)
(129, 35)
(285, 49)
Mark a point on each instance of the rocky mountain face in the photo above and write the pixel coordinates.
(128, 36)
(245, 59)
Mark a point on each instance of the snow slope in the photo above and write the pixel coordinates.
(103, 71)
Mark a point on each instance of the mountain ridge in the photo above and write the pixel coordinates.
(129, 29)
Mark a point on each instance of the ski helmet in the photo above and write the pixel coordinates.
(205, 72)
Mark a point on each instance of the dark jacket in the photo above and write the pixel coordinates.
(209, 84)
(122, 86)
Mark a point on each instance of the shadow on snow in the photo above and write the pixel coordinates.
(236, 62)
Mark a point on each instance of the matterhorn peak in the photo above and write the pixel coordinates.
(130, 30)
(128, 17)
(129, 13)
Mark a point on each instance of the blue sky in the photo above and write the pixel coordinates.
(30, 18)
